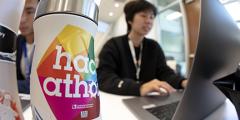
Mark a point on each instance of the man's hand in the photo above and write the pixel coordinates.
(154, 86)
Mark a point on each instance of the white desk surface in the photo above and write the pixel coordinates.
(112, 108)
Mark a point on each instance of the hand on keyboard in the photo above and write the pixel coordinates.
(162, 92)
(156, 85)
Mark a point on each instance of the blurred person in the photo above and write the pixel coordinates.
(25, 46)
(133, 64)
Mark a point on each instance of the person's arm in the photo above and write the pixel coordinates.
(156, 85)
(107, 72)
(164, 72)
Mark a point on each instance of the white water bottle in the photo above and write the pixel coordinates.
(10, 15)
(63, 77)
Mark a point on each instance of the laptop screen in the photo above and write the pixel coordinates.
(217, 56)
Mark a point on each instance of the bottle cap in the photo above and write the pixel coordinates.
(86, 8)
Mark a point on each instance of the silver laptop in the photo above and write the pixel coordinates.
(216, 57)
(143, 107)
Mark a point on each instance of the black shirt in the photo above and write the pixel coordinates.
(117, 73)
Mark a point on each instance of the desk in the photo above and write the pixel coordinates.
(112, 108)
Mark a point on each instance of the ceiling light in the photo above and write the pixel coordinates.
(116, 5)
(173, 16)
(110, 13)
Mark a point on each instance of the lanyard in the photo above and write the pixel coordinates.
(136, 62)
(28, 61)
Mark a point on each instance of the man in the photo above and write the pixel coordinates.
(25, 46)
(133, 64)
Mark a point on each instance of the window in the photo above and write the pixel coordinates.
(172, 34)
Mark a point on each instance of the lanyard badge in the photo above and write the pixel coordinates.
(28, 61)
(136, 62)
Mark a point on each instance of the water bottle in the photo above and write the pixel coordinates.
(63, 78)
(11, 11)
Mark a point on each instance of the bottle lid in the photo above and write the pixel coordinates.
(87, 8)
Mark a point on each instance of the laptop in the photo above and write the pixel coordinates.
(212, 62)
(148, 108)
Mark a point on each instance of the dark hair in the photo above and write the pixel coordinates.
(133, 7)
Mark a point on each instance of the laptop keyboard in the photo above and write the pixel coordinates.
(164, 112)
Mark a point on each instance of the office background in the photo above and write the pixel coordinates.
(175, 27)
(177, 35)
